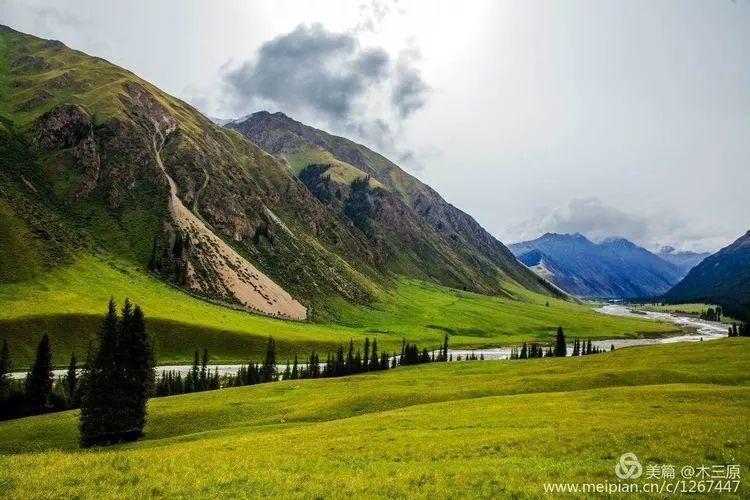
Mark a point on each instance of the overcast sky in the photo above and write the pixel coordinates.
(611, 118)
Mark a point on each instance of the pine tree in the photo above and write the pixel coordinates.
(287, 371)
(203, 384)
(384, 361)
(366, 358)
(374, 360)
(295, 369)
(138, 372)
(445, 348)
(195, 373)
(71, 380)
(39, 378)
(349, 367)
(561, 349)
(268, 372)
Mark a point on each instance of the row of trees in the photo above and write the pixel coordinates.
(39, 392)
(560, 349)
(712, 314)
(343, 362)
(739, 331)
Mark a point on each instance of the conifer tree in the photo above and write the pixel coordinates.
(295, 368)
(374, 360)
(366, 358)
(194, 373)
(203, 384)
(71, 380)
(268, 372)
(561, 349)
(39, 378)
(287, 371)
(349, 366)
(138, 375)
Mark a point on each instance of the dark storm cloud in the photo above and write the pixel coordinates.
(410, 91)
(310, 68)
(328, 77)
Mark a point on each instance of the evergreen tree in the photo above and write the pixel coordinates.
(203, 382)
(287, 371)
(374, 360)
(349, 368)
(138, 375)
(366, 358)
(561, 349)
(268, 372)
(524, 352)
(384, 361)
(445, 348)
(39, 379)
(71, 380)
(295, 368)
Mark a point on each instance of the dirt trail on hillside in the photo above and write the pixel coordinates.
(237, 276)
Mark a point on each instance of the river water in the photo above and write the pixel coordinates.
(696, 331)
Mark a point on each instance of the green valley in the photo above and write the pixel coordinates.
(482, 428)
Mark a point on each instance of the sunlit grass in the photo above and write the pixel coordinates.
(493, 428)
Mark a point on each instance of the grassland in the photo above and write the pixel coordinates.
(693, 309)
(469, 429)
(67, 303)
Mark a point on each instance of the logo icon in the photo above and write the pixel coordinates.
(628, 467)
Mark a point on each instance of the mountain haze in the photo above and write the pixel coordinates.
(614, 268)
(683, 260)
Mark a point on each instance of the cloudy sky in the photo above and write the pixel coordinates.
(611, 118)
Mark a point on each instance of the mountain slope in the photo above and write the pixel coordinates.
(413, 229)
(683, 260)
(132, 172)
(722, 278)
(614, 268)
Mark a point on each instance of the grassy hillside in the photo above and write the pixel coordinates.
(68, 303)
(415, 231)
(469, 429)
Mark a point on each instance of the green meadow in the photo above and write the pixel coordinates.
(483, 428)
(68, 303)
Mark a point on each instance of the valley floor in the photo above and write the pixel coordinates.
(438, 430)
(68, 303)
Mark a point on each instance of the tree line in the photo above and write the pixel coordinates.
(739, 331)
(341, 363)
(560, 349)
(712, 314)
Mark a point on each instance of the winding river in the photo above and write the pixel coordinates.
(697, 330)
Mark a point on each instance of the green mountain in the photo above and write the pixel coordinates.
(413, 229)
(723, 278)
